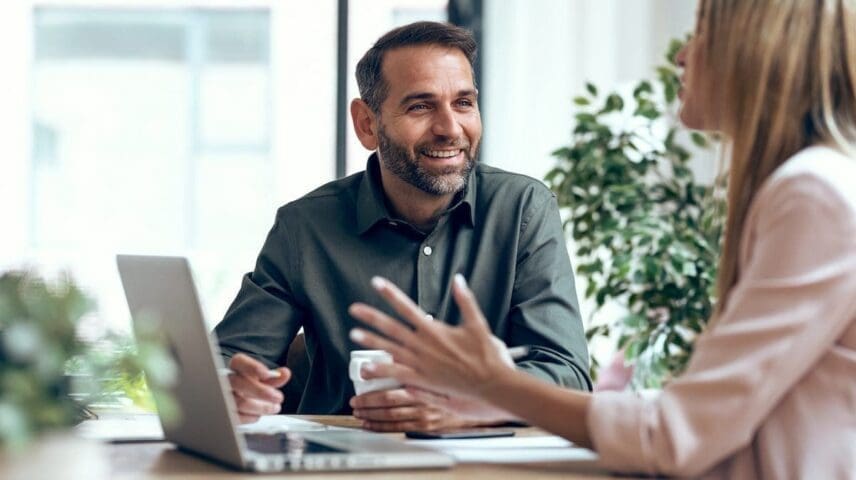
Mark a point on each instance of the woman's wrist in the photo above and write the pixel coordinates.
(498, 387)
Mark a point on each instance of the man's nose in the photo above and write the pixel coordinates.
(447, 124)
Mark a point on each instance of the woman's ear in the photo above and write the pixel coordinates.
(365, 123)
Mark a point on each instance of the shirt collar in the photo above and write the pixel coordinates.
(371, 206)
(370, 198)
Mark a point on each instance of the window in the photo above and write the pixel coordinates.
(176, 128)
(151, 133)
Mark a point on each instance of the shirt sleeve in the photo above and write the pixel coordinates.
(544, 312)
(265, 316)
(795, 297)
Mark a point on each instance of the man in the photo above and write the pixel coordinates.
(422, 211)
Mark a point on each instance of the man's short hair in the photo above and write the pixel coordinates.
(372, 84)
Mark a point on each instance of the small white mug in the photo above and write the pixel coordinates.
(362, 357)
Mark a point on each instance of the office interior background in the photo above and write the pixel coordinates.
(178, 127)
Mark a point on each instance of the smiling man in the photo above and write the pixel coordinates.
(423, 210)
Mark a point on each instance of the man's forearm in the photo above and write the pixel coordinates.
(561, 373)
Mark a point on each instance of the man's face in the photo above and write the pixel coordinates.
(429, 126)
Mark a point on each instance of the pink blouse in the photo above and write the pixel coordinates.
(770, 391)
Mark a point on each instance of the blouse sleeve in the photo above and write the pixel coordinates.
(796, 295)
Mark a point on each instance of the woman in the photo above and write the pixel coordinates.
(771, 389)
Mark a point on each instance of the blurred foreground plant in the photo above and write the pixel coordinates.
(39, 348)
(136, 369)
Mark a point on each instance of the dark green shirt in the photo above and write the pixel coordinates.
(503, 233)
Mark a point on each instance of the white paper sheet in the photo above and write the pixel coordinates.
(121, 428)
(282, 423)
(545, 448)
(134, 427)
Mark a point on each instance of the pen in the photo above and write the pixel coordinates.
(228, 371)
(516, 353)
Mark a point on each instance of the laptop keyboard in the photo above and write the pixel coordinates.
(288, 443)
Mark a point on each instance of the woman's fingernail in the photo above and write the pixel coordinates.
(460, 280)
(357, 335)
(378, 283)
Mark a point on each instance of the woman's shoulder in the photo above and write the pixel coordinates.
(827, 170)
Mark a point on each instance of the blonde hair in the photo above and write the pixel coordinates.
(781, 76)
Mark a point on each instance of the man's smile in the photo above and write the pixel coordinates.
(443, 156)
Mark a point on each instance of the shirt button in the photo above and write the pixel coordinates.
(427, 251)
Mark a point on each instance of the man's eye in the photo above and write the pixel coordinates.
(466, 103)
(417, 107)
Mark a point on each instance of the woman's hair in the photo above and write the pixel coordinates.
(780, 75)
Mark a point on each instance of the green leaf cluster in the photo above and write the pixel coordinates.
(37, 337)
(40, 348)
(647, 233)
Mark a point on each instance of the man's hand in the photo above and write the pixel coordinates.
(255, 388)
(402, 410)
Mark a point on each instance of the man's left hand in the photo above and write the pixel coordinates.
(400, 410)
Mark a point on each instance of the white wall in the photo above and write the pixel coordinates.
(15, 55)
(539, 54)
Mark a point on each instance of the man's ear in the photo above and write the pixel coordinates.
(365, 123)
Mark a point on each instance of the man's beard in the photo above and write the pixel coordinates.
(398, 160)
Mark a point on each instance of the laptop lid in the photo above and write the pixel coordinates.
(161, 289)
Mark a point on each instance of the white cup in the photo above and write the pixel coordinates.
(362, 385)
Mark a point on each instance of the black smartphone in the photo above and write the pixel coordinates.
(460, 434)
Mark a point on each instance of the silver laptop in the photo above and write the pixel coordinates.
(163, 288)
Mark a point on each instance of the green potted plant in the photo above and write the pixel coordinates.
(646, 232)
(37, 338)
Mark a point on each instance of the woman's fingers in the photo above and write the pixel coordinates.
(423, 371)
(375, 342)
(382, 323)
(434, 356)
(403, 373)
(400, 302)
(470, 310)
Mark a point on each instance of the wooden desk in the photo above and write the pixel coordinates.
(162, 460)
